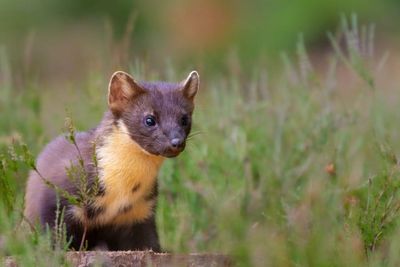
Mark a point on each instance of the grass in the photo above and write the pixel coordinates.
(300, 169)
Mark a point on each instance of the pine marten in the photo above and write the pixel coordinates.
(145, 123)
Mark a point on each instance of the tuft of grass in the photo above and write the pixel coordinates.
(378, 202)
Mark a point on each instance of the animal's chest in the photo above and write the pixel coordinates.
(128, 176)
(126, 203)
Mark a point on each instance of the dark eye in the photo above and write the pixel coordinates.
(185, 121)
(149, 121)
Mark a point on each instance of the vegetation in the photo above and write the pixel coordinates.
(300, 169)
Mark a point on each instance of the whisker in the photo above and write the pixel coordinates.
(195, 133)
(190, 136)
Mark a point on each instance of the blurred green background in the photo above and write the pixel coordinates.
(66, 39)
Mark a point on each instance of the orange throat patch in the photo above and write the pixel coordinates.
(128, 174)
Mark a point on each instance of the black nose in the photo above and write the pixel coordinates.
(176, 142)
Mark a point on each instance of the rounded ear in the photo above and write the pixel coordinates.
(121, 89)
(191, 85)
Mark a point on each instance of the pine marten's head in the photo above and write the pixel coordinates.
(157, 115)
